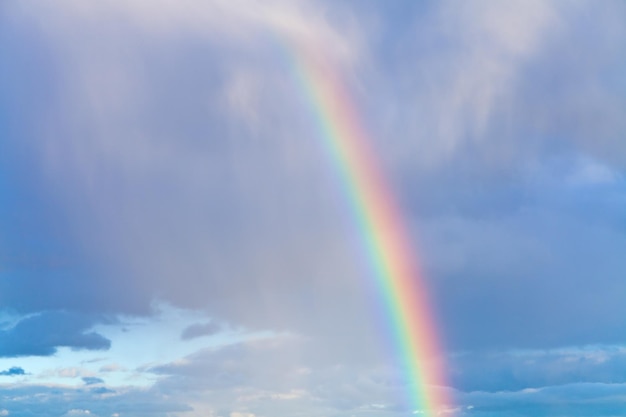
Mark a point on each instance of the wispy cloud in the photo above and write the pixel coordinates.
(201, 329)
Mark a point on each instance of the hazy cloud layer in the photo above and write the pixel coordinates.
(173, 191)
(53, 401)
(156, 150)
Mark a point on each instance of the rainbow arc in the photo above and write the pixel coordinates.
(383, 231)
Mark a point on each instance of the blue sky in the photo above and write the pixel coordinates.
(173, 242)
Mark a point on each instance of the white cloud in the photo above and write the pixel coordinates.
(496, 39)
(113, 367)
(469, 74)
(241, 19)
(499, 83)
(69, 372)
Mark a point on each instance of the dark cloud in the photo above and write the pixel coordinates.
(217, 206)
(559, 302)
(182, 165)
(212, 190)
(13, 371)
(42, 334)
(102, 390)
(530, 369)
(92, 380)
(201, 329)
(538, 267)
(578, 400)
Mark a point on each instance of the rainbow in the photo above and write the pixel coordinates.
(380, 221)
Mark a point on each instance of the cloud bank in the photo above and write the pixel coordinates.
(155, 150)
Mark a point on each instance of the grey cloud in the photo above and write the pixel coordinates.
(45, 401)
(278, 375)
(574, 381)
(172, 193)
(201, 329)
(13, 371)
(238, 365)
(190, 171)
(214, 212)
(92, 380)
(102, 390)
(579, 400)
(543, 269)
(493, 371)
(224, 194)
(42, 334)
(497, 85)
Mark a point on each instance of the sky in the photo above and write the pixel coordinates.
(175, 242)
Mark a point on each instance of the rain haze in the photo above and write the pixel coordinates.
(177, 238)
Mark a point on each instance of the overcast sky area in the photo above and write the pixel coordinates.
(174, 240)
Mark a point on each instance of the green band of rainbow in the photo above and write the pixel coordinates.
(380, 221)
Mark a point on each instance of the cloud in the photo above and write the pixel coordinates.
(102, 390)
(236, 187)
(113, 367)
(92, 380)
(165, 151)
(579, 400)
(208, 213)
(78, 412)
(57, 401)
(13, 371)
(42, 334)
(231, 366)
(501, 255)
(501, 84)
(532, 369)
(198, 330)
(223, 200)
(278, 374)
(67, 372)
